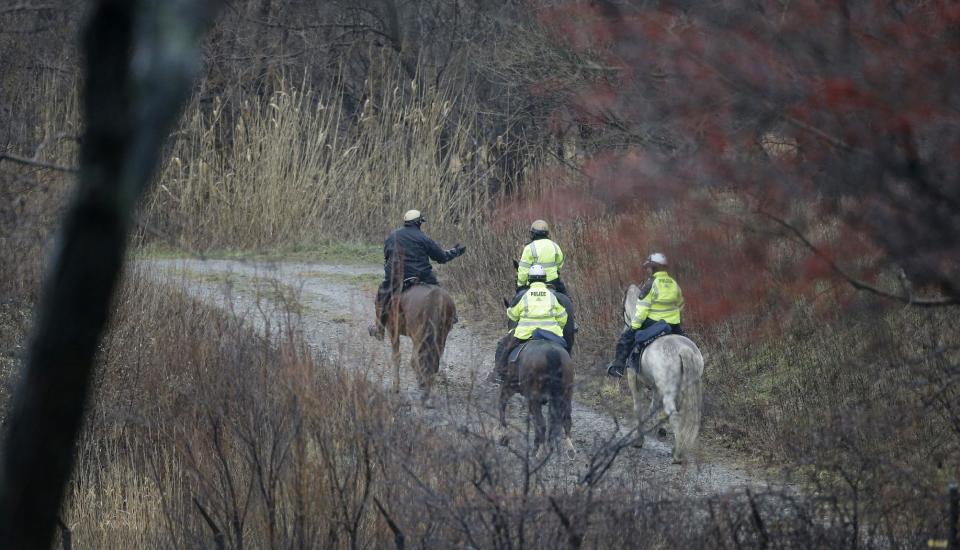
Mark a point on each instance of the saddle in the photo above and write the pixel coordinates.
(515, 354)
(644, 338)
(409, 283)
(538, 334)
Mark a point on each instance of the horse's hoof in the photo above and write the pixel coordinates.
(661, 432)
(676, 460)
(638, 442)
(428, 403)
(503, 440)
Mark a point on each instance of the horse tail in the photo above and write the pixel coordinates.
(691, 396)
(555, 359)
(554, 372)
(438, 315)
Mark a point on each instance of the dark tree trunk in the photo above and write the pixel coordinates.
(129, 106)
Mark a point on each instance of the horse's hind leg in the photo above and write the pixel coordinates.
(673, 415)
(427, 364)
(505, 395)
(670, 411)
(556, 420)
(535, 407)
(656, 406)
(566, 418)
(395, 359)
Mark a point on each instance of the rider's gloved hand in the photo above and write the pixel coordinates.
(459, 249)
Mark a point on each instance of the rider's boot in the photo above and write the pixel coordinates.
(502, 355)
(615, 368)
(624, 345)
(381, 306)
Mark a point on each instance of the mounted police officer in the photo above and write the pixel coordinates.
(544, 252)
(661, 300)
(407, 252)
(537, 310)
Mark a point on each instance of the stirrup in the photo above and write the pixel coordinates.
(615, 370)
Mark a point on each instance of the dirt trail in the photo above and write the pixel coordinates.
(336, 305)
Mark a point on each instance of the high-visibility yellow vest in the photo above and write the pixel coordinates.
(663, 302)
(538, 308)
(544, 252)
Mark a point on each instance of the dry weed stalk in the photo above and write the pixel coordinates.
(294, 167)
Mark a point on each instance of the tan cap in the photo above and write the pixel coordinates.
(411, 215)
(539, 225)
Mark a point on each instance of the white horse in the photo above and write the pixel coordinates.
(672, 368)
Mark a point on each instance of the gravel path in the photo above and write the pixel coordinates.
(336, 303)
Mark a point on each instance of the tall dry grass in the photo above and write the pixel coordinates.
(31, 198)
(295, 167)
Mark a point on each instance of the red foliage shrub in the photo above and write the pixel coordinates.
(829, 126)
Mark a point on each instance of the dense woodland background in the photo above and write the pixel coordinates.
(797, 160)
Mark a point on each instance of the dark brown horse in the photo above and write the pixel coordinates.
(543, 374)
(425, 313)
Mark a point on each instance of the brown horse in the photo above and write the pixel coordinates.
(543, 374)
(426, 314)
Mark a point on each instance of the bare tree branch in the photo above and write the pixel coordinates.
(398, 537)
(858, 284)
(218, 538)
(37, 163)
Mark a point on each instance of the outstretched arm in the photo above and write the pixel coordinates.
(440, 255)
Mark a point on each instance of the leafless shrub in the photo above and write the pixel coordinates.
(204, 430)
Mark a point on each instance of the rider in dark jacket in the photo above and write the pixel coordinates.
(407, 252)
